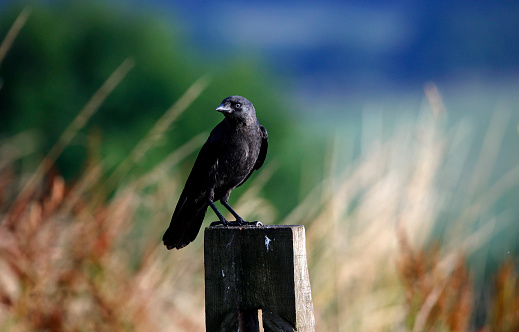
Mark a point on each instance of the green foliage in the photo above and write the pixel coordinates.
(66, 51)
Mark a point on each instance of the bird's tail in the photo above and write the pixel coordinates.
(185, 223)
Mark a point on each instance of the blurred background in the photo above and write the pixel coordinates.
(394, 138)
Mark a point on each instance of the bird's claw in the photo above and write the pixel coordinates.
(236, 223)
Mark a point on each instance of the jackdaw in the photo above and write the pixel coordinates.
(235, 148)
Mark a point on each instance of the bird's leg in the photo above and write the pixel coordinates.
(228, 207)
(239, 220)
(222, 221)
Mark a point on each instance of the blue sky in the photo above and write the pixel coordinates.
(361, 46)
(329, 49)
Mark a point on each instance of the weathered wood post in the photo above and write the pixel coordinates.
(253, 268)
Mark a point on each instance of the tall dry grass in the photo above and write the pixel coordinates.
(374, 263)
(70, 259)
(73, 260)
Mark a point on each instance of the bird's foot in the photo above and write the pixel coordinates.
(236, 223)
(251, 223)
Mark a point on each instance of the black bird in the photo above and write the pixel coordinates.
(235, 148)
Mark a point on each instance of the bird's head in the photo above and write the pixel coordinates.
(238, 109)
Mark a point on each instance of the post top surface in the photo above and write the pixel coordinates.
(255, 227)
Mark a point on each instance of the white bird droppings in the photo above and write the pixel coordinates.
(267, 243)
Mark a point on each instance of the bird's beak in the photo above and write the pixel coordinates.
(224, 108)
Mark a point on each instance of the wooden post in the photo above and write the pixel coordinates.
(252, 268)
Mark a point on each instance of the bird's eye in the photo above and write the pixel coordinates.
(237, 105)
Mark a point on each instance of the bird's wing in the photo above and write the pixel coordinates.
(262, 154)
(192, 205)
(263, 148)
(207, 159)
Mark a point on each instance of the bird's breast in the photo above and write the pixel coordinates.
(236, 163)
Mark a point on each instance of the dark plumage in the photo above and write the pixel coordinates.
(235, 148)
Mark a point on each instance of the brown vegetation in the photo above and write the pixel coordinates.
(72, 259)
